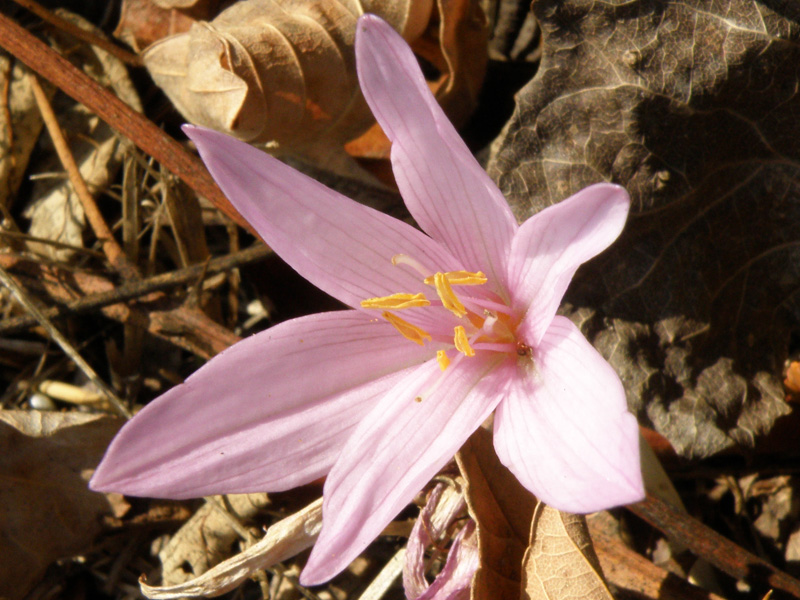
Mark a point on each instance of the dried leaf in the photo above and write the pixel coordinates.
(48, 511)
(502, 510)
(283, 73)
(693, 108)
(206, 539)
(463, 39)
(560, 562)
(283, 540)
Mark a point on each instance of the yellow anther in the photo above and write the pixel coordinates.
(449, 300)
(396, 301)
(407, 330)
(461, 341)
(444, 362)
(460, 278)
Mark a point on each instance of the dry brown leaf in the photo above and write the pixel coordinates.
(463, 39)
(502, 510)
(48, 512)
(206, 538)
(283, 540)
(560, 562)
(279, 72)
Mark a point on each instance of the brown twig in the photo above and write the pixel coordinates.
(706, 543)
(58, 338)
(113, 251)
(81, 34)
(184, 326)
(143, 132)
(139, 289)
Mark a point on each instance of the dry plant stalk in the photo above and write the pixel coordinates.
(276, 71)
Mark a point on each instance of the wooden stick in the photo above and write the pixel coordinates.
(706, 543)
(111, 248)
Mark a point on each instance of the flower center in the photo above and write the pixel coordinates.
(483, 323)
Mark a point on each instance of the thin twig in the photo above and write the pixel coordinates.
(111, 248)
(139, 289)
(706, 543)
(67, 348)
(82, 34)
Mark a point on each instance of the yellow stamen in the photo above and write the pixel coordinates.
(444, 362)
(449, 299)
(461, 341)
(396, 301)
(407, 330)
(460, 278)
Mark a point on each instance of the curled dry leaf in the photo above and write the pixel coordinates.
(502, 510)
(283, 540)
(693, 108)
(280, 72)
(560, 562)
(48, 512)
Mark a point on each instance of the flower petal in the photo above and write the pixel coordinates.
(446, 190)
(342, 247)
(395, 451)
(564, 428)
(551, 245)
(270, 413)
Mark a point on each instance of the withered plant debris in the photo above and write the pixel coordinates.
(693, 107)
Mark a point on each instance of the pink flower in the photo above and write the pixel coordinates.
(446, 327)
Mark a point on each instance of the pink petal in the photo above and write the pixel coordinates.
(395, 451)
(270, 413)
(564, 428)
(444, 187)
(551, 245)
(342, 247)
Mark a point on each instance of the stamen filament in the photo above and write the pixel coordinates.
(462, 342)
(396, 301)
(407, 330)
(449, 300)
(460, 278)
(496, 347)
(405, 259)
(491, 305)
(444, 361)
